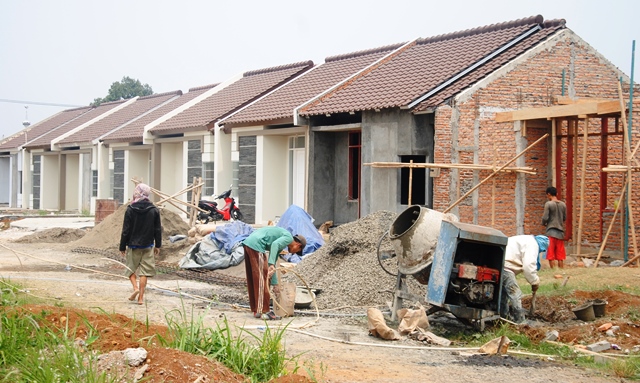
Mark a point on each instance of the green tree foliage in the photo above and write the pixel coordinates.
(124, 89)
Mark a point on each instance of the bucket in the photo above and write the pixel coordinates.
(599, 307)
(585, 312)
(104, 208)
(414, 235)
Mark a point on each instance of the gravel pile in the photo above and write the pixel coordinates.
(346, 268)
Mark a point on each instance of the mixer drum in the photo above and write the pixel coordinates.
(414, 235)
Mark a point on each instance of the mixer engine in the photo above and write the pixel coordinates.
(476, 284)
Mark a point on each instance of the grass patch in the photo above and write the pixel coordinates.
(258, 357)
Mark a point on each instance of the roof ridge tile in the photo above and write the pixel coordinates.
(307, 63)
(203, 87)
(484, 29)
(363, 52)
(175, 92)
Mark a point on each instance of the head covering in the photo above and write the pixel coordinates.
(543, 245)
(302, 240)
(141, 193)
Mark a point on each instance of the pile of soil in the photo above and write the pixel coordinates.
(106, 234)
(346, 269)
(53, 235)
(118, 332)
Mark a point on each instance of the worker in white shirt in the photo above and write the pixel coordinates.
(522, 255)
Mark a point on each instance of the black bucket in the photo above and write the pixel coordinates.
(585, 312)
(599, 307)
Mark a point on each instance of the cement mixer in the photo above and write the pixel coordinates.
(460, 263)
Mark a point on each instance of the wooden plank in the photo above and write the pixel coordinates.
(590, 108)
(495, 172)
(566, 100)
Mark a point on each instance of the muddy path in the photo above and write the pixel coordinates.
(339, 347)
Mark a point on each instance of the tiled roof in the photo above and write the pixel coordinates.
(281, 103)
(430, 63)
(141, 106)
(252, 85)
(44, 141)
(37, 130)
(550, 27)
(134, 131)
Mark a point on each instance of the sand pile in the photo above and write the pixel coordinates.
(53, 235)
(346, 268)
(106, 234)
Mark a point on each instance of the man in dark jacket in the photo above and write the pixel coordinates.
(141, 240)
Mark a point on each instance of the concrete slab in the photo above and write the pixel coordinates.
(42, 223)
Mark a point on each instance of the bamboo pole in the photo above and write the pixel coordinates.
(193, 199)
(582, 177)
(629, 174)
(495, 172)
(198, 193)
(613, 220)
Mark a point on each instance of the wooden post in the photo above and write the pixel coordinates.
(495, 172)
(493, 187)
(554, 138)
(582, 177)
(574, 129)
(410, 181)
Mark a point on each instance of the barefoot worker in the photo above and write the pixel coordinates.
(141, 238)
(259, 269)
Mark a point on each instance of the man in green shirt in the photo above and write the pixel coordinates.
(259, 268)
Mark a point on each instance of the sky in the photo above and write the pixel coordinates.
(55, 55)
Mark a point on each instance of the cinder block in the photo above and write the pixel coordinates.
(599, 346)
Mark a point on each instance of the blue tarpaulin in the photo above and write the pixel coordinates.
(297, 221)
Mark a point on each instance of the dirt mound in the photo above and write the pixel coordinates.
(346, 268)
(106, 234)
(53, 235)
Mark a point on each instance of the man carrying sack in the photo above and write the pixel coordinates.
(260, 269)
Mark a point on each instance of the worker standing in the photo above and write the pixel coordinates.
(522, 255)
(259, 268)
(140, 240)
(553, 218)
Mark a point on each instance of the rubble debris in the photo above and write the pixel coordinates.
(552, 335)
(599, 346)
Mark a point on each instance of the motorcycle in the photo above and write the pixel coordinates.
(211, 213)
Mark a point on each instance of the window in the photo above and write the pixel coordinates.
(94, 183)
(413, 180)
(118, 176)
(354, 165)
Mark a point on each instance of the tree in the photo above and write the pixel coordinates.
(125, 89)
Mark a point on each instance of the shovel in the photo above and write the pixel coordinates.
(533, 303)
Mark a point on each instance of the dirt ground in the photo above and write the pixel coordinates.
(77, 285)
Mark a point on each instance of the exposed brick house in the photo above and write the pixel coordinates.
(435, 100)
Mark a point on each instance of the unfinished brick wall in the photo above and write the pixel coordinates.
(466, 132)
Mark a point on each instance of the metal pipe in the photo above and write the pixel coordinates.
(628, 207)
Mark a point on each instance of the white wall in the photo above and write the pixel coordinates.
(136, 166)
(72, 185)
(173, 170)
(272, 177)
(50, 182)
(5, 179)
